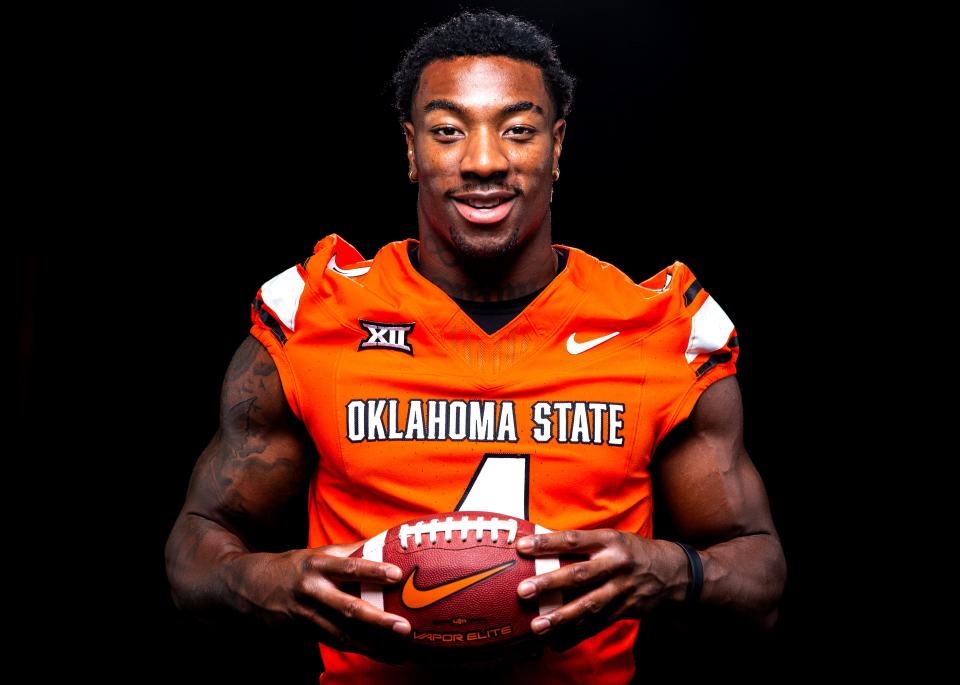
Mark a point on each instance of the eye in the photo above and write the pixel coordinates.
(520, 130)
(445, 131)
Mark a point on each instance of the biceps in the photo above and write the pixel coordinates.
(260, 457)
(245, 480)
(712, 489)
(715, 498)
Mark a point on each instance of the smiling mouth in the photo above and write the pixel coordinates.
(485, 204)
(485, 211)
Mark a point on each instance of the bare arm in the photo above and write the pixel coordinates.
(719, 503)
(254, 464)
(260, 458)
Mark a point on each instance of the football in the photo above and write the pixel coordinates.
(460, 576)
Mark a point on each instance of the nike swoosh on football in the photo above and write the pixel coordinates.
(416, 598)
(573, 347)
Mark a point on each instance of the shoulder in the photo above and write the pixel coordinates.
(596, 273)
(674, 292)
(252, 390)
(282, 299)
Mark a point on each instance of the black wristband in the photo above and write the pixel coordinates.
(696, 573)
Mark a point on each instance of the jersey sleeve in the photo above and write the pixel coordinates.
(273, 315)
(697, 347)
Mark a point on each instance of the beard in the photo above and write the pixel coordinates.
(487, 247)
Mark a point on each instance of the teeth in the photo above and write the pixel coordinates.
(478, 204)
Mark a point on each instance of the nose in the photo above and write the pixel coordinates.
(484, 156)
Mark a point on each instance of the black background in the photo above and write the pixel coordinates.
(206, 153)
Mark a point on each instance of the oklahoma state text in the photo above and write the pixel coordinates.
(572, 421)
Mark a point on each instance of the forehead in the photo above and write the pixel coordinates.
(477, 82)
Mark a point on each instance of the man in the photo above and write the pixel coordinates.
(361, 377)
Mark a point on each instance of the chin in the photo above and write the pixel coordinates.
(485, 242)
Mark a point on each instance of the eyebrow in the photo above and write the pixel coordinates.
(522, 106)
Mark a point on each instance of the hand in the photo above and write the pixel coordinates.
(299, 589)
(624, 576)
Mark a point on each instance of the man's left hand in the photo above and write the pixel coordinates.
(624, 576)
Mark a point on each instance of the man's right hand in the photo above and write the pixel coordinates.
(254, 467)
(302, 588)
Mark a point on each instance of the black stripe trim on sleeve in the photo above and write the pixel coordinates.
(733, 342)
(269, 321)
(713, 361)
(691, 292)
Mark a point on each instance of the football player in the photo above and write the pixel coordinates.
(481, 366)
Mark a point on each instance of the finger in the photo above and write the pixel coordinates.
(357, 638)
(347, 607)
(572, 634)
(352, 569)
(320, 627)
(565, 541)
(585, 607)
(576, 575)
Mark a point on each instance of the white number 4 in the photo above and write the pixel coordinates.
(500, 484)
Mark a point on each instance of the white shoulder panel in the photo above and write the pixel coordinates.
(709, 330)
(282, 294)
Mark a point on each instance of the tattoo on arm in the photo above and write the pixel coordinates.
(244, 483)
(260, 457)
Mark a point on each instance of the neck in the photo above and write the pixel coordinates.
(526, 268)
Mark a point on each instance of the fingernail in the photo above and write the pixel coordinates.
(401, 627)
(540, 625)
(526, 588)
(524, 544)
(393, 573)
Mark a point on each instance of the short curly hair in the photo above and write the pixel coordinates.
(483, 33)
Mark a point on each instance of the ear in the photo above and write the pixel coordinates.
(559, 131)
(408, 133)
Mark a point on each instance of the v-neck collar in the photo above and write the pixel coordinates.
(441, 313)
(482, 307)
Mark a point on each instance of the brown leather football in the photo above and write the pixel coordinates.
(460, 576)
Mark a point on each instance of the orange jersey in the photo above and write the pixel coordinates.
(415, 410)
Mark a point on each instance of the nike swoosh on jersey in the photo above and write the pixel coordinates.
(416, 598)
(351, 273)
(573, 347)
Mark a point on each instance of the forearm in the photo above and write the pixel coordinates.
(197, 556)
(745, 575)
